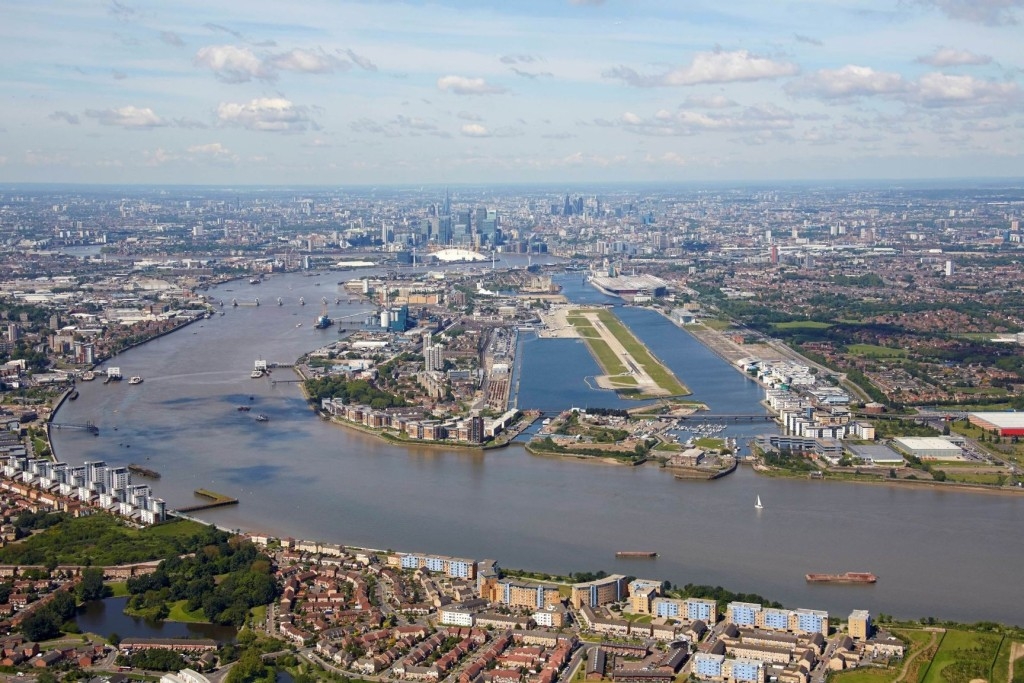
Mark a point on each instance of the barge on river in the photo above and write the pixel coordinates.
(636, 554)
(846, 577)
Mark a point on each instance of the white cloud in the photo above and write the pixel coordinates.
(469, 116)
(127, 117)
(158, 157)
(233, 64)
(266, 114)
(991, 12)
(686, 122)
(64, 116)
(847, 82)
(460, 85)
(708, 102)
(213, 152)
(948, 56)
(709, 67)
(362, 62)
(212, 148)
(305, 61)
(475, 130)
(172, 38)
(666, 159)
(939, 89)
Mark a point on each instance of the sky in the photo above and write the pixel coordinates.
(336, 92)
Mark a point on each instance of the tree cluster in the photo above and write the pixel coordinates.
(224, 579)
(357, 391)
(45, 621)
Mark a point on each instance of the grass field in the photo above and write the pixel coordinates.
(258, 614)
(802, 325)
(179, 613)
(963, 657)
(1001, 669)
(120, 588)
(988, 478)
(606, 358)
(716, 324)
(873, 351)
(865, 675)
(661, 375)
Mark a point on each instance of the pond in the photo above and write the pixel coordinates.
(107, 616)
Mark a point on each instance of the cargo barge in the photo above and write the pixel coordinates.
(143, 471)
(847, 577)
(636, 554)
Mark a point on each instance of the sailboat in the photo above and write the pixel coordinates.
(757, 505)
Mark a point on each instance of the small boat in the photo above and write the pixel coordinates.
(73, 396)
(88, 376)
(262, 418)
(244, 409)
(256, 374)
(757, 505)
(135, 380)
(298, 324)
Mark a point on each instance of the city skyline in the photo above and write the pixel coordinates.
(564, 90)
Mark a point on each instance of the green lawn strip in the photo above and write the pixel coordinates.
(661, 375)
(802, 325)
(180, 613)
(864, 675)
(709, 442)
(1001, 667)
(716, 324)
(873, 351)
(623, 380)
(119, 588)
(606, 358)
(976, 478)
(962, 657)
(258, 614)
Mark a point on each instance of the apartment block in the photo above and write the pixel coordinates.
(599, 592)
(642, 593)
(450, 566)
(860, 627)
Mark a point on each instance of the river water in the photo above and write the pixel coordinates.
(937, 553)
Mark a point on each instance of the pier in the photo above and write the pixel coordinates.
(704, 417)
(88, 426)
(216, 500)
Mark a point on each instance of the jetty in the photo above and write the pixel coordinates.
(216, 500)
(88, 426)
